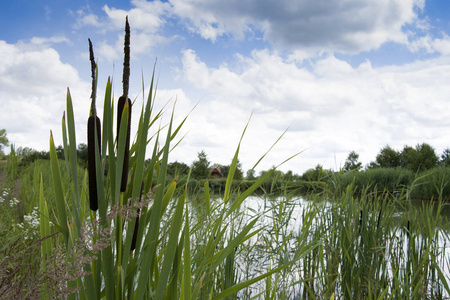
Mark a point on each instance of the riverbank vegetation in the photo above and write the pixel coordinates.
(78, 226)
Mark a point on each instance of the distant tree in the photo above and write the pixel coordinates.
(238, 173)
(288, 176)
(3, 140)
(24, 151)
(200, 167)
(351, 163)
(418, 159)
(388, 158)
(177, 169)
(59, 152)
(82, 152)
(316, 174)
(409, 158)
(445, 158)
(250, 174)
(225, 169)
(426, 156)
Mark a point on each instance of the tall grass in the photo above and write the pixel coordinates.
(150, 238)
(139, 208)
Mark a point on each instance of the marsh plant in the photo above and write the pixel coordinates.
(122, 230)
(147, 250)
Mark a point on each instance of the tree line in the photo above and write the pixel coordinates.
(417, 159)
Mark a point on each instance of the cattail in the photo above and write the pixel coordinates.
(123, 100)
(93, 122)
(136, 225)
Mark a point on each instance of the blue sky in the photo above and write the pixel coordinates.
(342, 75)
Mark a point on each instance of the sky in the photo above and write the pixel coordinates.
(335, 75)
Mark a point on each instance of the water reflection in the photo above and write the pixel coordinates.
(351, 243)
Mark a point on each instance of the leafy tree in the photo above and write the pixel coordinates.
(388, 158)
(200, 167)
(409, 158)
(24, 151)
(177, 168)
(445, 158)
(82, 152)
(250, 174)
(3, 140)
(316, 174)
(288, 176)
(427, 157)
(351, 163)
(418, 159)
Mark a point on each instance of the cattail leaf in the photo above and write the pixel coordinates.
(138, 172)
(148, 260)
(169, 254)
(107, 257)
(186, 287)
(108, 133)
(59, 193)
(232, 244)
(71, 157)
(107, 119)
(242, 285)
(44, 222)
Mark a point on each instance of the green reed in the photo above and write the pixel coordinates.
(142, 242)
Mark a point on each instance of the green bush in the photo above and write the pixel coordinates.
(379, 179)
(432, 184)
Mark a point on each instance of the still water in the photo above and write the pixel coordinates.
(282, 224)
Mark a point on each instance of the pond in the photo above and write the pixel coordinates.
(347, 248)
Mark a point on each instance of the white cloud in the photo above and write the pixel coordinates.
(431, 45)
(145, 18)
(33, 87)
(50, 40)
(347, 26)
(332, 109)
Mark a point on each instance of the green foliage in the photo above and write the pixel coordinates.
(4, 142)
(433, 184)
(379, 179)
(200, 167)
(250, 174)
(445, 158)
(146, 213)
(387, 158)
(418, 159)
(352, 163)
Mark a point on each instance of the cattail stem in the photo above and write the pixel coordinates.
(94, 130)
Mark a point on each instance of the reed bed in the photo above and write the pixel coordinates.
(122, 230)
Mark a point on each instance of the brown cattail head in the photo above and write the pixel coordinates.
(120, 106)
(93, 124)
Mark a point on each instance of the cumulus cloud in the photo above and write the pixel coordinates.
(302, 27)
(33, 84)
(346, 26)
(429, 44)
(332, 108)
(146, 19)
